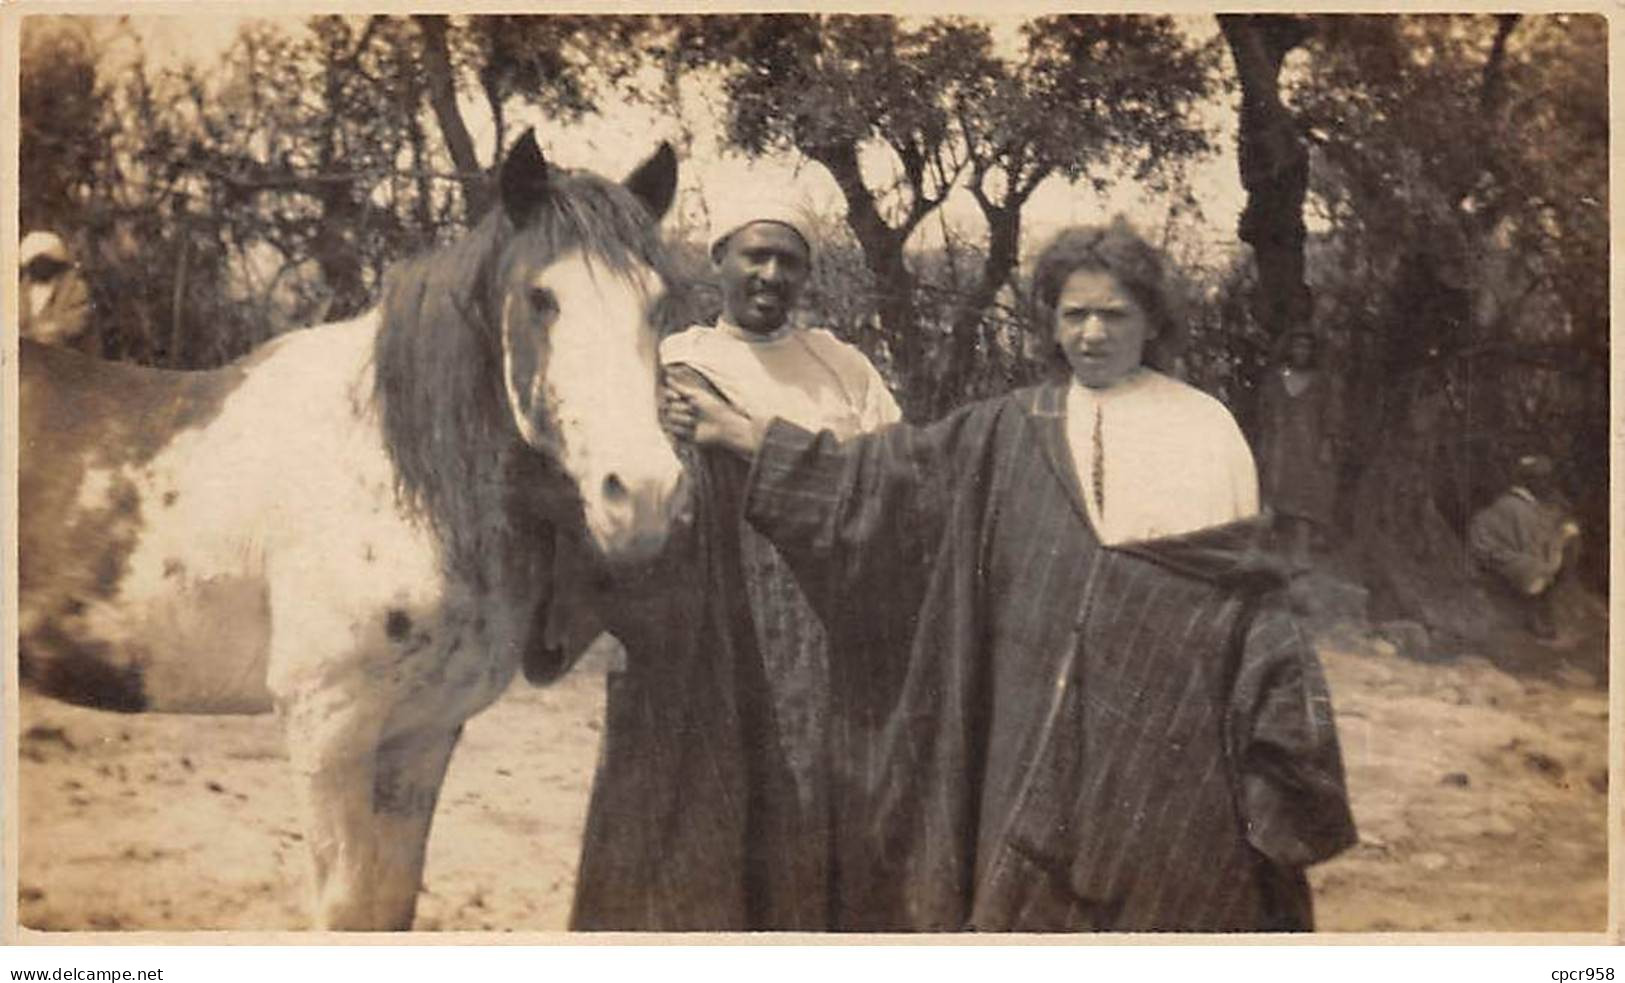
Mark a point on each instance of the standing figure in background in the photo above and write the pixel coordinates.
(762, 637)
(1299, 424)
(1528, 540)
(53, 303)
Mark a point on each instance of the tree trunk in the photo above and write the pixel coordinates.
(1412, 558)
(1003, 253)
(883, 253)
(442, 85)
(1409, 525)
(1274, 164)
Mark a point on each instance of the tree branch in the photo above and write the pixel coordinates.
(313, 183)
(1493, 85)
(442, 85)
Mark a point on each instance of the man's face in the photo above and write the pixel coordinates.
(1100, 327)
(1542, 486)
(762, 267)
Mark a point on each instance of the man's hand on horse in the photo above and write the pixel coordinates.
(677, 416)
(698, 413)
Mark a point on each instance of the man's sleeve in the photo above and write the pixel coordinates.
(1289, 763)
(875, 405)
(880, 406)
(857, 520)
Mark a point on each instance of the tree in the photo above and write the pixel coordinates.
(60, 131)
(313, 146)
(86, 172)
(1274, 162)
(227, 201)
(1462, 164)
(555, 62)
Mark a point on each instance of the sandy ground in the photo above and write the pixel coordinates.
(1481, 797)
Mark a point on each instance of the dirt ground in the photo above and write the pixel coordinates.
(1481, 796)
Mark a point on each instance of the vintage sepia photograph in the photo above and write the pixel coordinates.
(863, 474)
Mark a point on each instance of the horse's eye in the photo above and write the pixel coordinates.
(543, 301)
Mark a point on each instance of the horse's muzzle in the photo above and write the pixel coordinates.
(630, 512)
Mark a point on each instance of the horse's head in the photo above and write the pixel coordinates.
(572, 296)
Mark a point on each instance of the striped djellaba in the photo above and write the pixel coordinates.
(1026, 730)
(1031, 731)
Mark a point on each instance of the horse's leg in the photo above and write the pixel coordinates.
(367, 807)
(407, 775)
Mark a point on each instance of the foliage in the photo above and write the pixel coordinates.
(216, 205)
(1437, 139)
(1460, 168)
(1466, 165)
(1458, 179)
(1082, 96)
(60, 133)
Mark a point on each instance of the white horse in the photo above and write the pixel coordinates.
(355, 525)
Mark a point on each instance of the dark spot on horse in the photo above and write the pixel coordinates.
(109, 571)
(367, 553)
(117, 538)
(173, 568)
(170, 498)
(53, 664)
(395, 793)
(126, 502)
(74, 606)
(397, 624)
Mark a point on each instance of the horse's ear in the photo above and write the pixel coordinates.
(655, 181)
(524, 179)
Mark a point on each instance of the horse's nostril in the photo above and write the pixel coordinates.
(614, 489)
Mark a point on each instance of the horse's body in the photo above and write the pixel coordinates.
(355, 526)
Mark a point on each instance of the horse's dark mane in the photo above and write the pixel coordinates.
(438, 360)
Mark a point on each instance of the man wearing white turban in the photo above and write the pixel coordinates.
(53, 301)
(757, 858)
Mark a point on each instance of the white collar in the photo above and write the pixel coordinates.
(728, 327)
(1131, 383)
(1524, 494)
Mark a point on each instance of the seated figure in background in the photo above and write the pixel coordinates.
(1528, 540)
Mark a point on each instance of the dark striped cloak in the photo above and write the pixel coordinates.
(1033, 732)
(695, 822)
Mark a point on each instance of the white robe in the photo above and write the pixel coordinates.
(806, 375)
